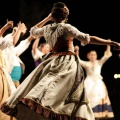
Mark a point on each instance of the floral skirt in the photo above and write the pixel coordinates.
(55, 89)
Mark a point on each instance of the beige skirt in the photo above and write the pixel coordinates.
(6, 89)
(55, 89)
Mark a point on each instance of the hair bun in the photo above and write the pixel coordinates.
(60, 12)
(59, 4)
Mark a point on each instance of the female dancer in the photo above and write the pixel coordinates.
(15, 65)
(39, 52)
(7, 86)
(95, 87)
(55, 89)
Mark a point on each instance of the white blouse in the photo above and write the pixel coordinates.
(94, 70)
(12, 52)
(52, 31)
(37, 55)
(4, 43)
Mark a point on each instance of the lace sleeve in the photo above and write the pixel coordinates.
(36, 32)
(75, 33)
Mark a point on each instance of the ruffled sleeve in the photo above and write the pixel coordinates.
(5, 42)
(36, 32)
(75, 33)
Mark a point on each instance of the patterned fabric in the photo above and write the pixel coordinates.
(52, 32)
(103, 109)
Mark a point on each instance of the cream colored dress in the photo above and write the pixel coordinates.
(55, 89)
(96, 89)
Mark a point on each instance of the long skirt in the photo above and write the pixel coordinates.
(55, 90)
(6, 89)
(98, 98)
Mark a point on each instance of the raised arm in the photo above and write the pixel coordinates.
(76, 50)
(88, 39)
(108, 50)
(82, 62)
(23, 45)
(37, 30)
(30, 38)
(21, 27)
(8, 25)
(36, 53)
(44, 21)
(100, 41)
(35, 45)
(107, 54)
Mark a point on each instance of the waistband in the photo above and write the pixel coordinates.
(63, 53)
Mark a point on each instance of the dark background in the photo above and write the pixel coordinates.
(100, 18)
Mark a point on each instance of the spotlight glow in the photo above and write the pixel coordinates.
(116, 76)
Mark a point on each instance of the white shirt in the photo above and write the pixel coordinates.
(37, 55)
(12, 52)
(52, 31)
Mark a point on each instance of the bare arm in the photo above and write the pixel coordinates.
(44, 21)
(23, 45)
(8, 25)
(100, 41)
(30, 38)
(35, 45)
(76, 49)
(108, 50)
(18, 32)
(107, 55)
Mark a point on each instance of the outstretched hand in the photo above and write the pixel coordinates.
(9, 24)
(50, 16)
(76, 47)
(117, 47)
(22, 27)
(115, 44)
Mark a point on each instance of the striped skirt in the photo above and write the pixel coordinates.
(98, 97)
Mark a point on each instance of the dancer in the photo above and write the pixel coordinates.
(14, 64)
(10, 53)
(55, 88)
(39, 52)
(7, 26)
(7, 86)
(95, 87)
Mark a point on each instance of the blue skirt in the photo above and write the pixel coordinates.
(16, 73)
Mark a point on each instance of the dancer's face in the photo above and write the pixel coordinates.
(92, 56)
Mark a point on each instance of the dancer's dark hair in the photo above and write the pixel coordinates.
(59, 12)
